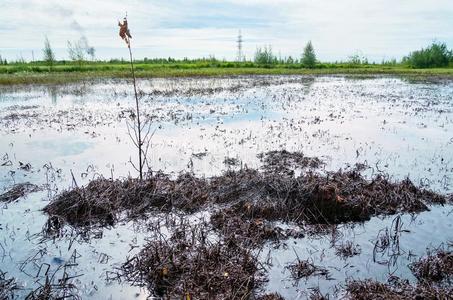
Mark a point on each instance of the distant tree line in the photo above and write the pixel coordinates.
(436, 55)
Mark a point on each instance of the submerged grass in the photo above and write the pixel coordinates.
(17, 191)
(347, 249)
(7, 287)
(305, 268)
(273, 296)
(433, 272)
(435, 267)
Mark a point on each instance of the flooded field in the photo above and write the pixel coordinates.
(381, 131)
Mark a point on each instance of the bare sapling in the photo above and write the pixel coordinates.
(138, 131)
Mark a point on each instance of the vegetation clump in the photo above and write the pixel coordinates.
(334, 198)
(435, 56)
(347, 249)
(250, 232)
(304, 268)
(7, 287)
(245, 197)
(282, 161)
(17, 191)
(435, 267)
(192, 264)
(395, 289)
(100, 202)
(272, 296)
(265, 56)
(54, 289)
(433, 272)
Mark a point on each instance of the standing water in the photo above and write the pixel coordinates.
(60, 137)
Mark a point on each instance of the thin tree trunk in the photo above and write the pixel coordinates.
(140, 164)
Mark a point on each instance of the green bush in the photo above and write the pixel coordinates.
(265, 57)
(435, 56)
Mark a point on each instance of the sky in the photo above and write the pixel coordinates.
(376, 29)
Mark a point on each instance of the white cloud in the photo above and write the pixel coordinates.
(338, 28)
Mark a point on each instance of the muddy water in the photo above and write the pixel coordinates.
(395, 126)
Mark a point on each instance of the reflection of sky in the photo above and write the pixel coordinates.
(58, 148)
(338, 29)
(404, 128)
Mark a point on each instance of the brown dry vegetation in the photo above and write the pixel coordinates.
(7, 287)
(433, 272)
(435, 267)
(273, 296)
(347, 249)
(244, 199)
(215, 259)
(17, 191)
(395, 289)
(194, 264)
(55, 290)
(284, 162)
(305, 268)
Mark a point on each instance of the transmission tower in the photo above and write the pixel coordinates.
(239, 42)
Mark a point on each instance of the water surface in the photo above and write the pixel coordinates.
(395, 126)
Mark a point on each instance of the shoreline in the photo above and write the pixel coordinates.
(63, 77)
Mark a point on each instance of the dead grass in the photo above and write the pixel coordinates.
(305, 268)
(284, 162)
(17, 191)
(247, 198)
(395, 289)
(434, 273)
(435, 267)
(250, 232)
(193, 264)
(99, 203)
(7, 287)
(347, 249)
(273, 296)
(62, 289)
(215, 260)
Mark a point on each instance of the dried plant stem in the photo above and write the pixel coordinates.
(139, 142)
